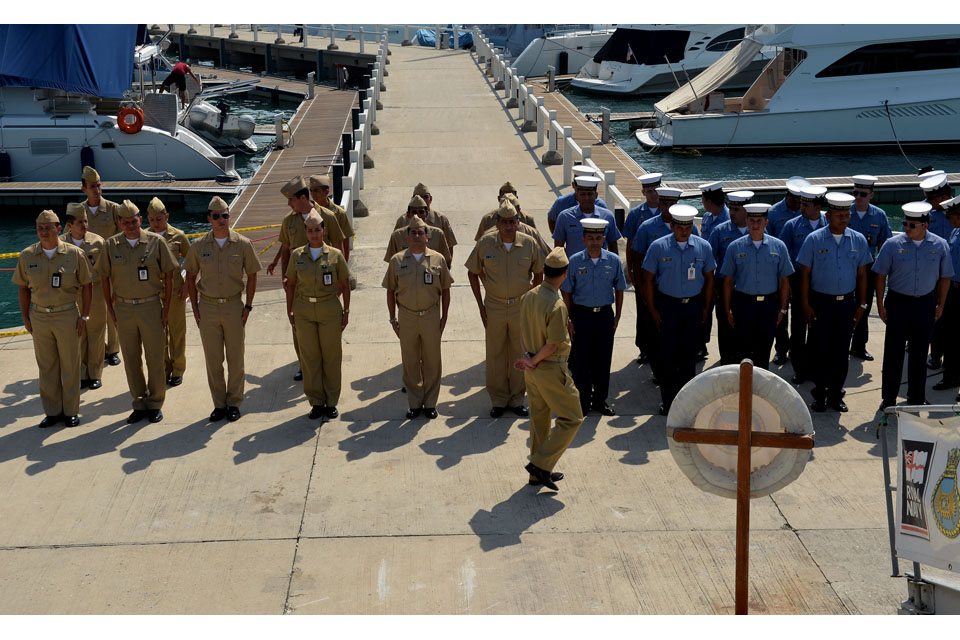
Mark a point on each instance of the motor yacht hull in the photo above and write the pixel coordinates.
(621, 78)
(543, 52)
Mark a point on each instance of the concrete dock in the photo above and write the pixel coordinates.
(374, 514)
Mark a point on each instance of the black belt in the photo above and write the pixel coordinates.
(592, 309)
(907, 295)
(954, 285)
(756, 298)
(680, 300)
(832, 297)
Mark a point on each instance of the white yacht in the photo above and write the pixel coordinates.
(651, 58)
(565, 52)
(828, 86)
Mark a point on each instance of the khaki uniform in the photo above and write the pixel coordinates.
(53, 314)
(543, 319)
(138, 307)
(435, 240)
(434, 219)
(489, 221)
(318, 316)
(105, 222)
(342, 219)
(506, 277)
(220, 291)
(530, 231)
(418, 313)
(91, 342)
(175, 355)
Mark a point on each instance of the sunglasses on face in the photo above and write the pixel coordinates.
(217, 216)
(861, 194)
(911, 225)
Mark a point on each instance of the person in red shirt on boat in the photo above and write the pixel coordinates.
(179, 77)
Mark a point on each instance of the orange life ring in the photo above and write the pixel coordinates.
(130, 127)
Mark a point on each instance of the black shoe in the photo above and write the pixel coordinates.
(584, 410)
(542, 475)
(136, 416)
(403, 389)
(643, 358)
(780, 359)
(316, 411)
(957, 399)
(233, 414)
(429, 413)
(412, 413)
(886, 403)
(934, 363)
(218, 414)
(797, 379)
(863, 354)
(154, 415)
(520, 411)
(556, 476)
(332, 412)
(84, 383)
(922, 402)
(943, 385)
(50, 421)
(71, 421)
(496, 412)
(298, 375)
(654, 380)
(819, 406)
(838, 405)
(702, 354)
(94, 383)
(175, 381)
(605, 409)
(112, 359)
(663, 410)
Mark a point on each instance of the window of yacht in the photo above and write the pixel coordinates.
(897, 57)
(726, 41)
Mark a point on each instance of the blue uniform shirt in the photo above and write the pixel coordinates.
(955, 254)
(636, 217)
(721, 237)
(778, 215)
(913, 270)
(567, 201)
(874, 225)
(939, 224)
(795, 231)
(653, 229)
(710, 221)
(570, 232)
(671, 265)
(756, 271)
(833, 267)
(592, 285)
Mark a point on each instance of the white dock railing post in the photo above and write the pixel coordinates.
(521, 95)
(456, 37)
(350, 35)
(541, 121)
(529, 111)
(233, 32)
(211, 30)
(366, 116)
(191, 30)
(346, 196)
(609, 180)
(514, 88)
(306, 37)
(278, 126)
(356, 159)
(551, 82)
(567, 155)
(605, 126)
(333, 43)
(552, 156)
(585, 154)
(438, 38)
(406, 36)
(279, 39)
(310, 84)
(256, 32)
(361, 39)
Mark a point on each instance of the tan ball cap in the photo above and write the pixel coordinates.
(128, 209)
(557, 258)
(46, 216)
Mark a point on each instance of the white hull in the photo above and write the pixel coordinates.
(621, 78)
(543, 52)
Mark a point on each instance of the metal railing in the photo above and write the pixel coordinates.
(332, 33)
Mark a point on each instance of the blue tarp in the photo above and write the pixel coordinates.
(428, 38)
(92, 59)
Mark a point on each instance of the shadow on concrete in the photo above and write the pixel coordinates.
(176, 444)
(276, 439)
(650, 435)
(273, 392)
(370, 387)
(506, 521)
(587, 431)
(867, 433)
(86, 445)
(390, 435)
(480, 436)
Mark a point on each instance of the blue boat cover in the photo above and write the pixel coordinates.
(428, 38)
(92, 59)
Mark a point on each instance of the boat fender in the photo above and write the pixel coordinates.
(711, 401)
(6, 167)
(125, 124)
(86, 157)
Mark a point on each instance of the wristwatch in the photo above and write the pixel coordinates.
(864, 306)
(248, 307)
(783, 311)
(85, 318)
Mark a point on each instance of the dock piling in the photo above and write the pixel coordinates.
(233, 32)
(278, 124)
(310, 84)
(551, 79)
(361, 39)
(605, 126)
(333, 45)
(279, 39)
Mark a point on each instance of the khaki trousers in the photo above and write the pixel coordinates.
(113, 338)
(175, 353)
(58, 358)
(221, 332)
(321, 350)
(91, 342)
(141, 330)
(550, 389)
(420, 352)
(505, 384)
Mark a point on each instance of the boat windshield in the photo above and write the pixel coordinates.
(638, 46)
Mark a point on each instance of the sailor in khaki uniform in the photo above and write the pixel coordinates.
(434, 218)
(418, 282)
(489, 220)
(543, 325)
(320, 186)
(506, 261)
(94, 330)
(525, 225)
(435, 238)
(104, 221)
(175, 354)
(51, 275)
(220, 258)
(138, 268)
(317, 275)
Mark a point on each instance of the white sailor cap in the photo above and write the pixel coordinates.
(796, 184)
(837, 200)
(952, 203)
(739, 198)
(812, 194)
(930, 174)
(583, 170)
(917, 211)
(650, 178)
(757, 209)
(594, 224)
(712, 186)
(587, 182)
(864, 180)
(669, 192)
(683, 213)
(934, 183)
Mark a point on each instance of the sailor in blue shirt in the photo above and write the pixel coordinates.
(638, 215)
(677, 278)
(570, 200)
(778, 215)
(951, 309)
(872, 222)
(569, 232)
(714, 209)
(594, 284)
(794, 232)
(936, 189)
(917, 267)
(833, 291)
(756, 287)
(720, 238)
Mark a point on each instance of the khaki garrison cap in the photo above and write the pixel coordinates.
(46, 216)
(416, 202)
(128, 209)
(557, 258)
(77, 210)
(416, 223)
(318, 181)
(313, 220)
(90, 175)
(217, 204)
(512, 199)
(156, 206)
(421, 190)
(507, 187)
(506, 211)
(295, 184)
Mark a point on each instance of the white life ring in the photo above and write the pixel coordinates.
(711, 401)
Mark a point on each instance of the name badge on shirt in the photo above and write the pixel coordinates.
(55, 280)
(692, 272)
(427, 277)
(142, 274)
(327, 278)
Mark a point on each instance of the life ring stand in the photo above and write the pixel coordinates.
(710, 401)
(130, 127)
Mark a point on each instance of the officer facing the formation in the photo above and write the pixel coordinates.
(104, 220)
(317, 276)
(793, 234)
(720, 238)
(594, 283)
(505, 260)
(569, 233)
(418, 282)
(546, 341)
(637, 216)
(138, 271)
(715, 210)
(434, 218)
(564, 202)
(320, 192)
(777, 217)
(220, 258)
(175, 355)
(677, 279)
(833, 293)
(756, 287)
(95, 328)
(871, 221)
(936, 190)
(436, 240)
(917, 267)
(52, 276)
(951, 310)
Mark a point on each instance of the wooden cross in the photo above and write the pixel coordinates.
(743, 439)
